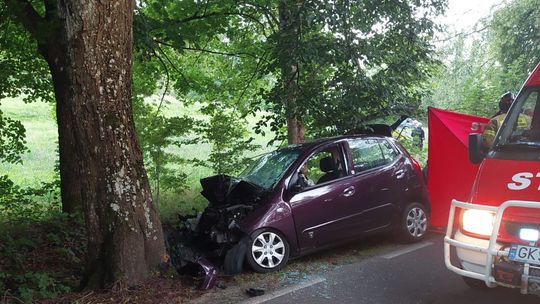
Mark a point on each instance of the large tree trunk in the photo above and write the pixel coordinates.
(295, 130)
(288, 49)
(46, 30)
(125, 240)
(70, 183)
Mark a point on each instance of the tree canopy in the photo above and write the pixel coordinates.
(482, 65)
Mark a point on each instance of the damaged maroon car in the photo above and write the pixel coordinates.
(301, 199)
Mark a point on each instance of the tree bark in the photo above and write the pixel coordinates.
(46, 30)
(70, 183)
(295, 131)
(125, 240)
(288, 48)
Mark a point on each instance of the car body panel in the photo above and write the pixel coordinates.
(318, 213)
(534, 78)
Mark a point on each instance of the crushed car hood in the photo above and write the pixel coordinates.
(225, 190)
(213, 240)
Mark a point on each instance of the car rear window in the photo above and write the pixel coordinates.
(389, 152)
(368, 153)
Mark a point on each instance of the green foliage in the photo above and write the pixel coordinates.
(157, 134)
(39, 257)
(480, 68)
(514, 37)
(12, 140)
(467, 83)
(33, 286)
(229, 138)
(24, 72)
(19, 203)
(341, 65)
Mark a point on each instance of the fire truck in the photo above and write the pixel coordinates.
(492, 239)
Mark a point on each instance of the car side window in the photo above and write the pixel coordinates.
(366, 154)
(389, 152)
(323, 166)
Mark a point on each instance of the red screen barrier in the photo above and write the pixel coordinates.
(450, 173)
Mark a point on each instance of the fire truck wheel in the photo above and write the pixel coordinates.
(414, 223)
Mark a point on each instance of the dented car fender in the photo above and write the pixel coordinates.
(275, 215)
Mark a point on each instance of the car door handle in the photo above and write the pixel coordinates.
(400, 173)
(349, 191)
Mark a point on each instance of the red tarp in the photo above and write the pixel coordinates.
(450, 173)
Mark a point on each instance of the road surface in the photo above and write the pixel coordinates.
(412, 274)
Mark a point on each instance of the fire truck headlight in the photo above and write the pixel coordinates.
(527, 234)
(478, 222)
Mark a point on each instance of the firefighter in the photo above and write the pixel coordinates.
(418, 135)
(496, 121)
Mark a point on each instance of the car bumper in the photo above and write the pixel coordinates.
(486, 259)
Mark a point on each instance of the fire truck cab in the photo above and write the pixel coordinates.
(495, 233)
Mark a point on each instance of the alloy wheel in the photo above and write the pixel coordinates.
(416, 222)
(268, 250)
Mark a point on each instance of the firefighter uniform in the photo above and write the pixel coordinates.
(495, 123)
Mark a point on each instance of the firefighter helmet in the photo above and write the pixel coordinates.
(506, 101)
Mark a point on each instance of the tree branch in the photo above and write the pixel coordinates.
(166, 83)
(25, 13)
(255, 72)
(270, 17)
(51, 9)
(205, 15)
(203, 50)
(462, 34)
(174, 66)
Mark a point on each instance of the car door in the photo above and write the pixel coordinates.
(318, 209)
(377, 176)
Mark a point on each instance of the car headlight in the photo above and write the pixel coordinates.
(478, 222)
(528, 234)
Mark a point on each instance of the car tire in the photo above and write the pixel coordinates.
(414, 223)
(474, 283)
(268, 251)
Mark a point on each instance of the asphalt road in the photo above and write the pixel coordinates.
(410, 275)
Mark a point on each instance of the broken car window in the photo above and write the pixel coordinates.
(270, 167)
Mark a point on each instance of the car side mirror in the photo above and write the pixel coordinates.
(296, 188)
(294, 184)
(476, 153)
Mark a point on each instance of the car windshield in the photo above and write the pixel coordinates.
(522, 128)
(270, 167)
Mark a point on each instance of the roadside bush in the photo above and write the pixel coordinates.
(40, 258)
(17, 202)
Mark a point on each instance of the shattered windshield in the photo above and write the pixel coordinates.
(522, 128)
(270, 167)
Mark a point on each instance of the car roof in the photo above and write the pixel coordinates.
(316, 142)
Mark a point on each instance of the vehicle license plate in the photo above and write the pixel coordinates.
(524, 254)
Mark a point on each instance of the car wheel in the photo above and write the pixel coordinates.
(268, 251)
(414, 223)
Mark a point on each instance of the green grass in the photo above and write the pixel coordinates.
(42, 141)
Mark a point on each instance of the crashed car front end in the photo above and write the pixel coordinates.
(214, 239)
